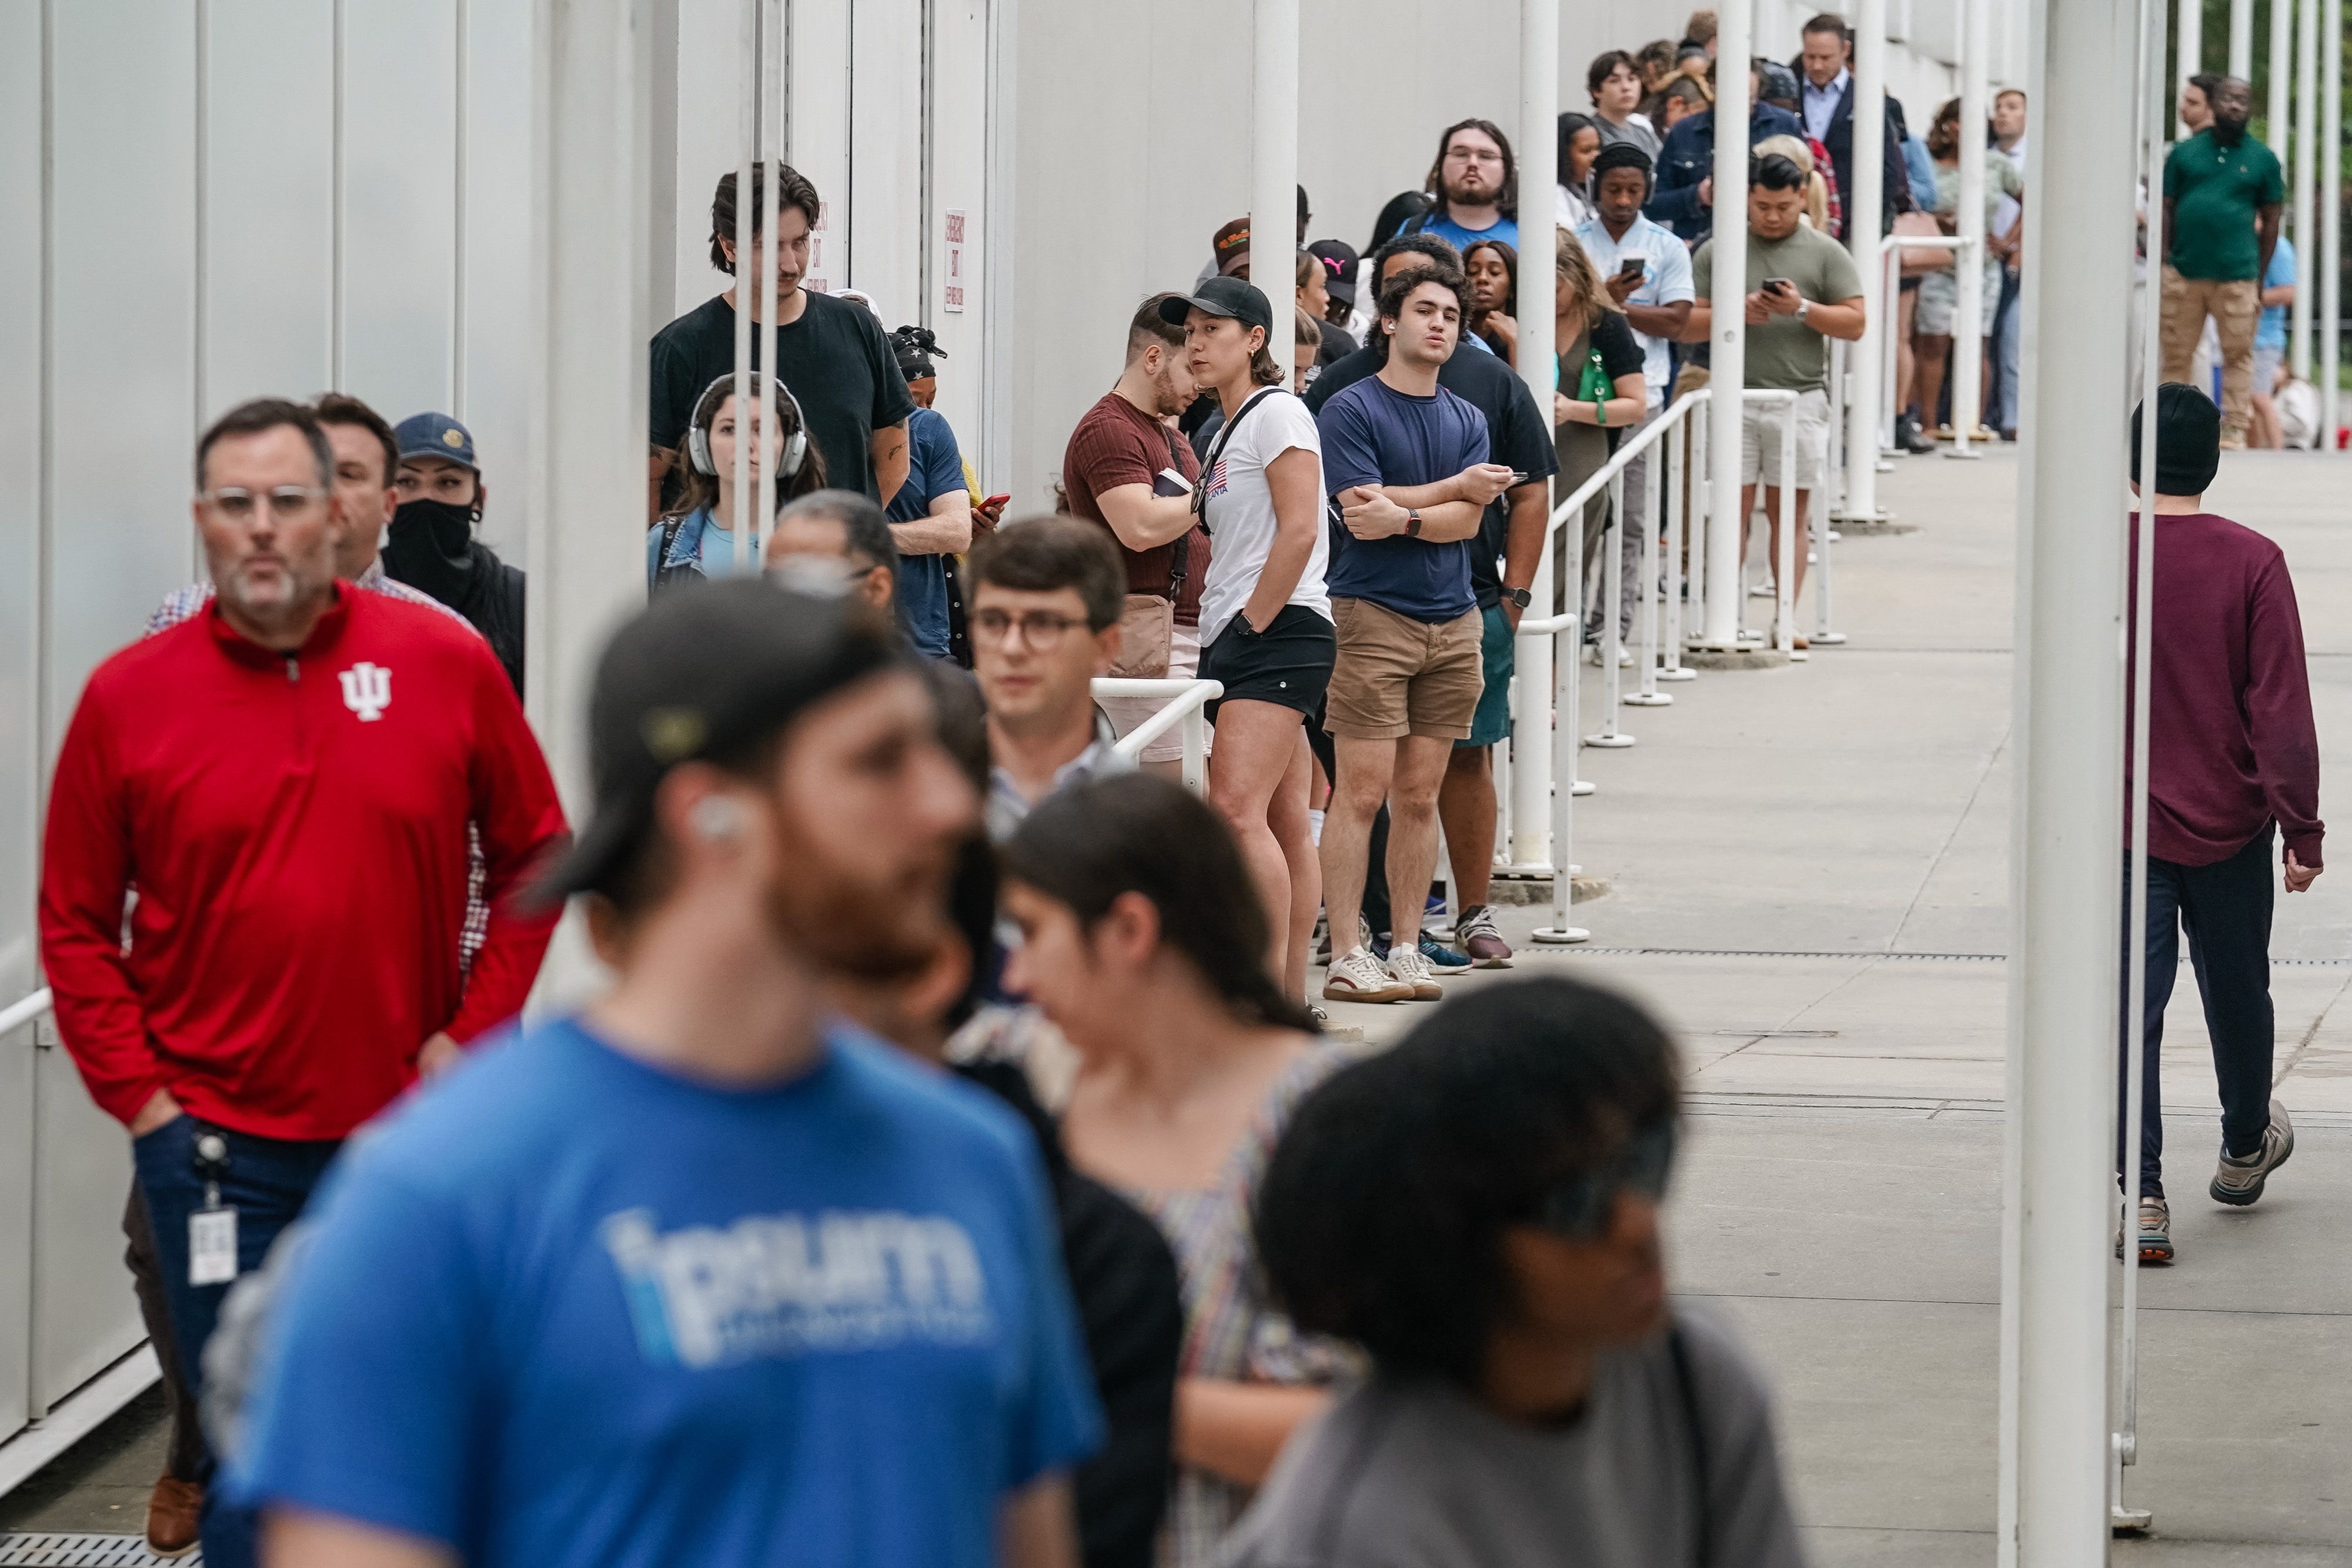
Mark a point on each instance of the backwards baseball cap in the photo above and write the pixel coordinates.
(435, 436)
(1232, 296)
(708, 674)
(1231, 247)
(1339, 259)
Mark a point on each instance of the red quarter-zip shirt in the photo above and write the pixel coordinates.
(294, 826)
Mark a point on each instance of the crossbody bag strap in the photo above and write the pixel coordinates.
(1217, 452)
(1177, 562)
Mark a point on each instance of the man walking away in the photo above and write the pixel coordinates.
(2233, 764)
(1046, 598)
(2222, 191)
(287, 779)
(698, 1271)
(1802, 291)
(1406, 465)
(831, 351)
(432, 544)
(1117, 473)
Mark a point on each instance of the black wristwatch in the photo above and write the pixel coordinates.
(1413, 523)
(1519, 596)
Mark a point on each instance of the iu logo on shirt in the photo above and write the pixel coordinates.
(367, 691)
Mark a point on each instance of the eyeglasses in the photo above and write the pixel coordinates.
(1578, 1206)
(238, 505)
(1472, 155)
(1041, 629)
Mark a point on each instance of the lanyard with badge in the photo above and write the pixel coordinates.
(212, 1229)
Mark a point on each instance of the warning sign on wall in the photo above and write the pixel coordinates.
(813, 278)
(953, 299)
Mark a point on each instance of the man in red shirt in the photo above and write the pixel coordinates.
(2233, 763)
(1112, 476)
(279, 789)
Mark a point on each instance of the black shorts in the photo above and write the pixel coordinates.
(1289, 663)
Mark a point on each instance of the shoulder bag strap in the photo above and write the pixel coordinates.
(1217, 452)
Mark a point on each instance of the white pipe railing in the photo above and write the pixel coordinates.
(1188, 700)
(35, 1006)
(1890, 251)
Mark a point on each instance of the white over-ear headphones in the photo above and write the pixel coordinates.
(718, 819)
(697, 434)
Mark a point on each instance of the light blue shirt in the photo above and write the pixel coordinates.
(2269, 332)
(1665, 281)
(1443, 225)
(1821, 102)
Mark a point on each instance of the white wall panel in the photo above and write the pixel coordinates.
(500, 295)
(267, 189)
(958, 158)
(122, 327)
(886, 157)
(400, 204)
(816, 118)
(85, 1315)
(710, 138)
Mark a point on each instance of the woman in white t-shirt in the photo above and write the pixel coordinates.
(1266, 620)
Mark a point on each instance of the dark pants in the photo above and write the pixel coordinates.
(184, 1459)
(2225, 907)
(267, 1182)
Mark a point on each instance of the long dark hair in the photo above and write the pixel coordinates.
(1507, 200)
(1476, 321)
(1133, 832)
(701, 490)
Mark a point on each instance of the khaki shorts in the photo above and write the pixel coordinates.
(1760, 440)
(1397, 676)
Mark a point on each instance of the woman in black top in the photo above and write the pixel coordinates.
(1586, 428)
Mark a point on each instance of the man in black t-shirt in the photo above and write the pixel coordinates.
(1502, 571)
(832, 355)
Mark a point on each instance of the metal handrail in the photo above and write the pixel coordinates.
(1188, 700)
(34, 1007)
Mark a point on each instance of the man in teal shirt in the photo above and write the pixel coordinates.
(2222, 189)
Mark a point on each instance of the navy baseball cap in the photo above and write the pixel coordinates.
(435, 436)
(1234, 296)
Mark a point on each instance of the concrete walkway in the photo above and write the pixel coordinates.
(1808, 875)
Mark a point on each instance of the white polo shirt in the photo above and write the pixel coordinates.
(1666, 281)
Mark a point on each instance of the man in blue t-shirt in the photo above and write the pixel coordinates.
(698, 1276)
(931, 517)
(1475, 187)
(1405, 463)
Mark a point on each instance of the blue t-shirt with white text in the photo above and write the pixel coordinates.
(1374, 434)
(934, 468)
(566, 1309)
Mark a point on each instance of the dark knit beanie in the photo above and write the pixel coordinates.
(2188, 441)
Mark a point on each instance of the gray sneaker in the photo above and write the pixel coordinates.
(2238, 1182)
(2155, 1231)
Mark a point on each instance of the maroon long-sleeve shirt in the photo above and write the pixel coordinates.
(2231, 741)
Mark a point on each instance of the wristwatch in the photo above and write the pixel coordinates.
(1802, 306)
(1519, 596)
(1413, 523)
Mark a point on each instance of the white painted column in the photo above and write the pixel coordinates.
(2331, 222)
(2307, 147)
(584, 494)
(1865, 384)
(2189, 38)
(1532, 695)
(1727, 338)
(1274, 167)
(2281, 74)
(2066, 836)
(1968, 331)
(2242, 39)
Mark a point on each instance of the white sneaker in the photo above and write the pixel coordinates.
(1413, 974)
(1356, 977)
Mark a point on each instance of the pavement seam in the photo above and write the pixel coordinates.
(1959, 823)
(2303, 1046)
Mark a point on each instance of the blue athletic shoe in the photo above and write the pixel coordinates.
(1443, 959)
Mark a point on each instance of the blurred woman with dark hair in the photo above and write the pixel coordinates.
(1478, 1208)
(1493, 267)
(1142, 940)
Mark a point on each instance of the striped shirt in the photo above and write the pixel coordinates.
(186, 602)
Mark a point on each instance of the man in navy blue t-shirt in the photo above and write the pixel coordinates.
(698, 1276)
(1406, 462)
(931, 517)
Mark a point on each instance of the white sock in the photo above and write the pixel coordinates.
(1315, 826)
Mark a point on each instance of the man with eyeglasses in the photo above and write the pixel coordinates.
(1045, 601)
(843, 530)
(287, 779)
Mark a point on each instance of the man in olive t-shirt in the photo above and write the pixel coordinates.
(2222, 191)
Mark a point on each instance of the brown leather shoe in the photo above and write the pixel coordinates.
(172, 1513)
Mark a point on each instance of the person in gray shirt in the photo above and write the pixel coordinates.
(1478, 1207)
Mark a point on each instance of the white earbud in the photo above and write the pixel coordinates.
(718, 819)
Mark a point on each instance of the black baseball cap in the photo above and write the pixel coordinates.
(1231, 296)
(707, 671)
(1339, 259)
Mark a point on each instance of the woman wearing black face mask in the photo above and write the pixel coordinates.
(431, 545)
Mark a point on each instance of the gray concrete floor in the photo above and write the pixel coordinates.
(1808, 873)
(1809, 879)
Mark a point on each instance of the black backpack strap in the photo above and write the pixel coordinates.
(1694, 1423)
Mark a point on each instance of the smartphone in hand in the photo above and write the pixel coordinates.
(1634, 267)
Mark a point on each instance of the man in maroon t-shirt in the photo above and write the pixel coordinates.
(1112, 476)
(2233, 765)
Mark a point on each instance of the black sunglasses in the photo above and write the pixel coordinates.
(1578, 1208)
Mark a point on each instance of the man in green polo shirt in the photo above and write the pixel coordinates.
(2222, 195)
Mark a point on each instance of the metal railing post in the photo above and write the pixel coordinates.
(1645, 579)
(1677, 470)
(1967, 368)
(1566, 677)
(1784, 565)
(1608, 647)
(1864, 221)
(1727, 327)
(1531, 708)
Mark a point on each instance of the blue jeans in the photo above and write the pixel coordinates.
(2225, 908)
(267, 1182)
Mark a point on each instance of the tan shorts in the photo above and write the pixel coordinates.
(1761, 424)
(1127, 712)
(1397, 676)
